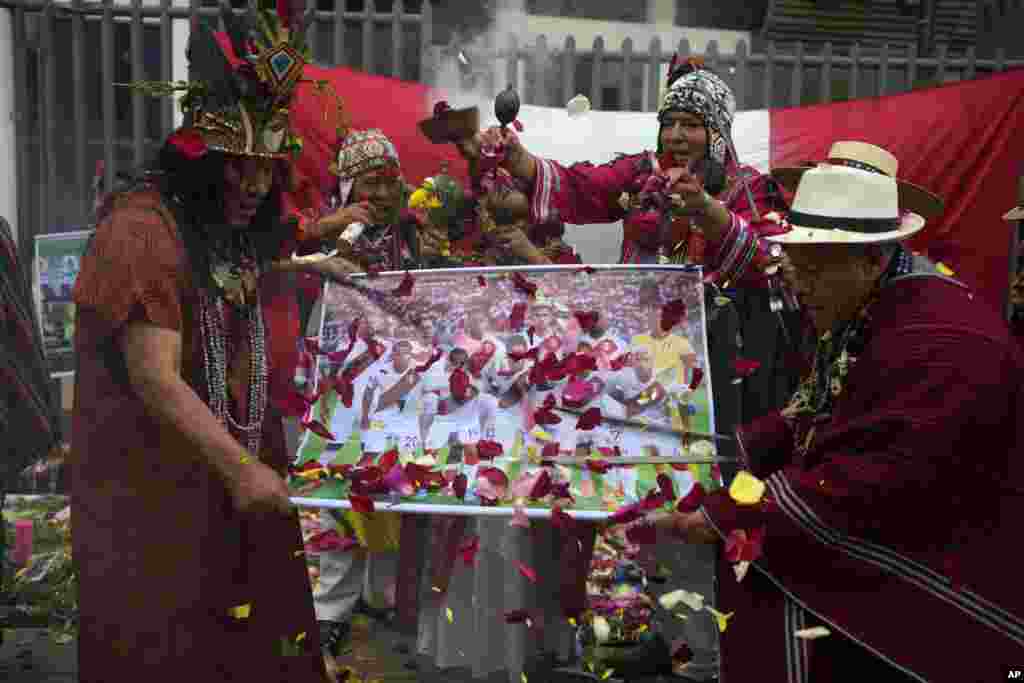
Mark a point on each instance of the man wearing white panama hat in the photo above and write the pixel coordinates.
(892, 479)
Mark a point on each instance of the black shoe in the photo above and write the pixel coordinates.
(335, 637)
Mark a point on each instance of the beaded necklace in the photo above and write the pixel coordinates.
(836, 352)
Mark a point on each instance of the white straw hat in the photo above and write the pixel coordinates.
(853, 198)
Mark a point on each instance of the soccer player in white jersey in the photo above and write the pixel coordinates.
(392, 401)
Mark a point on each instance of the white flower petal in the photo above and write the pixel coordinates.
(812, 633)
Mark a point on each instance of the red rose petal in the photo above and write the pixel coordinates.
(346, 390)
(488, 450)
(330, 541)
(436, 356)
(531, 354)
(692, 501)
(550, 450)
(526, 571)
(189, 142)
(626, 514)
(518, 316)
(388, 460)
(621, 361)
(312, 345)
(588, 270)
(744, 367)
(469, 550)
(524, 285)
(668, 491)
(318, 428)
(698, 376)
(459, 486)
(530, 332)
(587, 320)
(544, 416)
(652, 501)
(672, 313)
(398, 482)
(590, 419)
(459, 383)
(598, 466)
(482, 280)
(362, 504)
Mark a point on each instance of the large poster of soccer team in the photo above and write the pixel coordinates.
(509, 387)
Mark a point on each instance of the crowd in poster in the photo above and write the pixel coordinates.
(451, 377)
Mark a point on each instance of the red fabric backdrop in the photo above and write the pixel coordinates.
(960, 141)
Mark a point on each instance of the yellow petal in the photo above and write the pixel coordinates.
(299, 638)
(746, 489)
(607, 674)
(434, 203)
(722, 619)
(245, 459)
(540, 434)
(241, 612)
(944, 269)
(450, 614)
(418, 199)
(299, 553)
(522, 677)
(310, 474)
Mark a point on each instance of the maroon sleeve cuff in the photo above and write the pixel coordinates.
(766, 444)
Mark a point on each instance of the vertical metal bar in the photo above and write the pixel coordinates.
(911, 67)
(81, 173)
(48, 87)
(426, 42)
(166, 70)
(597, 77)
(740, 84)
(971, 72)
(313, 32)
(542, 95)
(654, 75)
(138, 74)
(397, 6)
(194, 19)
(338, 38)
(940, 66)
(825, 75)
(511, 64)
(369, 9)
(1015, 239)
(796, 94)
(854, 70)
(569, 69)
(1000, 59)
(769, 75)
(22, 127)
(626, 77)
(107, 91)
(883, 71)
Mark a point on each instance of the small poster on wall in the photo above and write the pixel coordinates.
(58, 257)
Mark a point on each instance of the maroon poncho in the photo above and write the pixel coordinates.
(898, 529)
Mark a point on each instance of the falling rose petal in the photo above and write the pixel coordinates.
(654, 500)
(579, 364)
(523, 285)
(746, 489)
(671, 314)
(698, 376)
(491, 483)
(621, 361)
(241, 612)
(545, 416)
(346, 390)
(550, 402)
(488, 450)
(517, 318)
(519, 518)
(740, 569)
(330, 541)
(362, 504)
(318, 428)
(743, 547)
(312, 345)
(744, 367)
(526, 355)
(526, 571)
(459, 383)
(469, 550)
(587, 270)
(388, 460)
(626, 514)
(590, 419)
(587, 319)
(670, 601)
(722, 619)
(530, 332)
(812, 633)
(434, 357)
(459, 486)
(397, 481)
(366, 460)
(550, 450)
(668, 491)
(482, 280)
(517, 616)
(598, 466)
(692, 501)
(404, 288)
